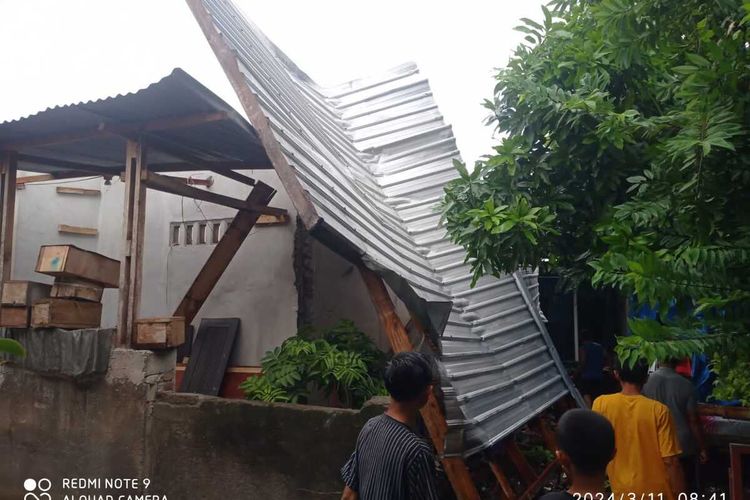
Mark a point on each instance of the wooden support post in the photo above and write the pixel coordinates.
(537, 484)
(8, 172)
(548, 435)
(434, 420)
(528, 476)
(505, 485)
(131, 264)
(223, 253)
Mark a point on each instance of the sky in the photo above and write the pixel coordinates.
(57, 52)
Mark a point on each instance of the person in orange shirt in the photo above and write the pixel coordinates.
(647, 458)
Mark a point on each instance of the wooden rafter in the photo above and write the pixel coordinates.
(223, 253)
(178, 187)
(434, 420)
(104, 129)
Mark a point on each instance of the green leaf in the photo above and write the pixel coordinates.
(11, 346)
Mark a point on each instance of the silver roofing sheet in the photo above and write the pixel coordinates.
(374, 155)
(176, 95)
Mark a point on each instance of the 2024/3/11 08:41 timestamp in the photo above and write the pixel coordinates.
(648, 496)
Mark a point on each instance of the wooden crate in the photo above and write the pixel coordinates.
(79, 290)
(69, 261)
(159, 333)
(66, 313)
(23, 293)
(14, 316)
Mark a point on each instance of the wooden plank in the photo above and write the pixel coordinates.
(537, 484)
(273, 220)
(65, 313)
(737, 452)
(134, 164)
(527, 473)
(69, 261)
(223, 253)
(210, 356)
(8, 173)
(78, 191)
(434, 420)
(24, 293)
(79, 290)
(28, 179)
(15, 317)
(254, 112)
(138, 229)
(159, 333)
(105, 129)
(174, 186)
(503, 480)
(79, 230)
(544, 430)
(236, 176)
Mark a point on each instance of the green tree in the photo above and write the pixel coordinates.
(625, 161)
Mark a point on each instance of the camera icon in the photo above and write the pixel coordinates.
(37, 489)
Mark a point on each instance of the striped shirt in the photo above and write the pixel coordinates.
(390, 462)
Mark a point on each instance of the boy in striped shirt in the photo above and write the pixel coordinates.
(390, 461)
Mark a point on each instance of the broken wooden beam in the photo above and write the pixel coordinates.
(527, 473)
(434, 420)
(223, 253)
(503, 480)
(236, 176)
(174, 186)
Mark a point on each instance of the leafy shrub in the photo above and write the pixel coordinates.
(344, 363)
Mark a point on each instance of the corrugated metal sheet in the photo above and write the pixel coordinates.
(374, 155)
(176, 95)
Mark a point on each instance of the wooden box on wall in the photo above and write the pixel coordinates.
(66, 313)
(15, 316)
(69, 261)
(159, 333)
(77, 290)
(23, 293)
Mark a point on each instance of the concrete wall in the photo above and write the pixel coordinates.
(258, 287)
(189, 446)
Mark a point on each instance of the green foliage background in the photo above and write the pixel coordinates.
(626, 162)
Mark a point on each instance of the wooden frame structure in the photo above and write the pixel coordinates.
(433, 416)
(139, 176)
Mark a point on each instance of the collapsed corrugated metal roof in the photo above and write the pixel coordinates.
(373, 156)
(86, 133)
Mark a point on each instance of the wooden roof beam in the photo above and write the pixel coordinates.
(177, 186)
(105, 128)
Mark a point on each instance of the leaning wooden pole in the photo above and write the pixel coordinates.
(434, 420)
(223, 253)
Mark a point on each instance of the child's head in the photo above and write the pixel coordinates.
(585, 442)
(409, 378)
(636, 374)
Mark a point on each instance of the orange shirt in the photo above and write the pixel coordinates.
(644, 436)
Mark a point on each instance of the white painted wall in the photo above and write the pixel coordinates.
(257, 287)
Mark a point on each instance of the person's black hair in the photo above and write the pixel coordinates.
(588, 439)
(635, 374)
(407, 375)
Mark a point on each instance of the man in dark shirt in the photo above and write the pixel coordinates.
(667, 386)
(585, 445)
(390, 461)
